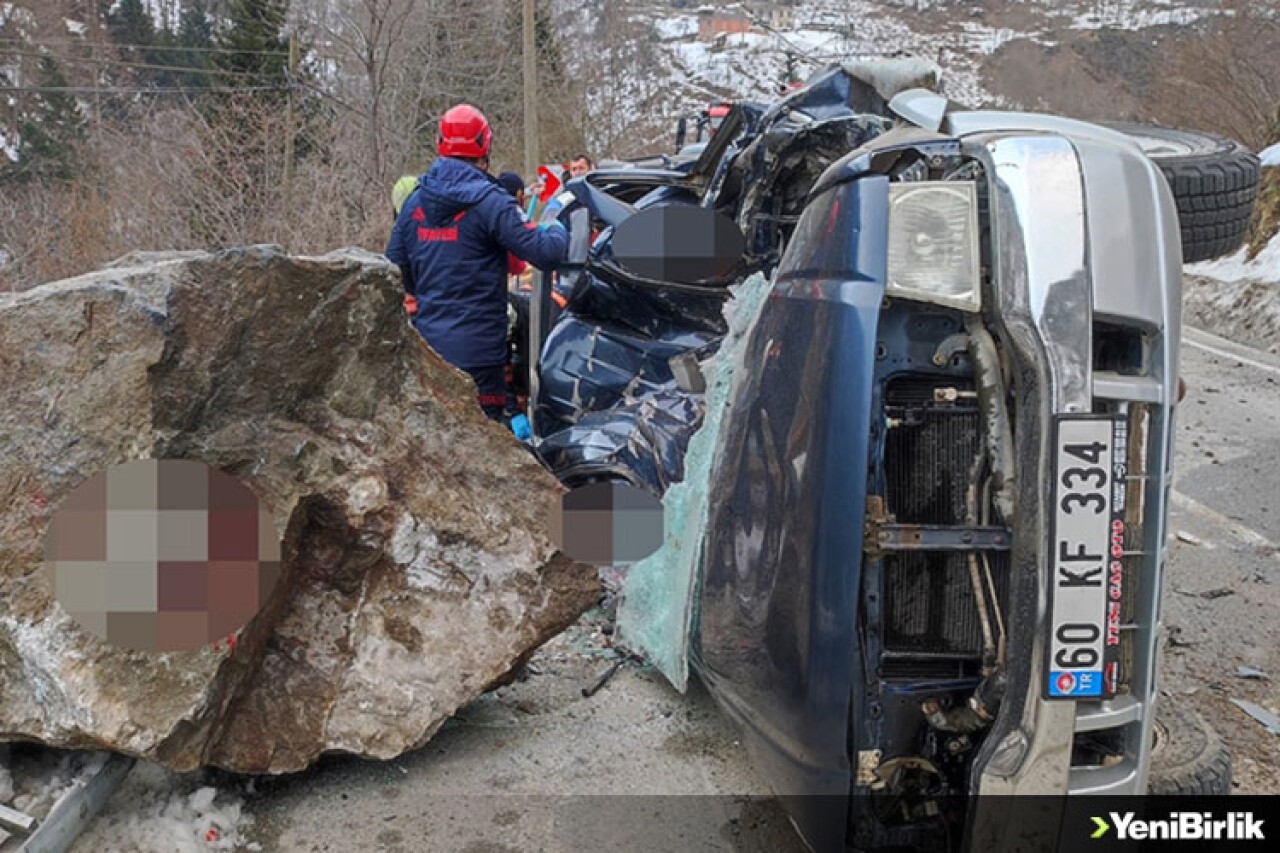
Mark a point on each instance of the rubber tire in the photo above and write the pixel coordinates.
(1215, 185)
(1187, 756)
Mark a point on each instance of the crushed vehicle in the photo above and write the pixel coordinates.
(928, 561)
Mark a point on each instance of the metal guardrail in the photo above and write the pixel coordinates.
(70, 815)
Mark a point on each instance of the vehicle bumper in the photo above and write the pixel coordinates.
(1084, 233)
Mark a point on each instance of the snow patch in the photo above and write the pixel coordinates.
(1136, 15)
(1264, 268)
(157, 809)
(1270, 156)
(76, 28)
(9, 147)
(680, 26)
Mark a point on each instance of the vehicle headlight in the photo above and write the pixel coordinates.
(933, 243)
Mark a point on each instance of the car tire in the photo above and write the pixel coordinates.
(1187, 756)
(1214, 182)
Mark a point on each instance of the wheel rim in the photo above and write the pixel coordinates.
(1159, 736)
(1162, 146)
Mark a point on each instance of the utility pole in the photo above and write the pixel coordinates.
(530, 93)
(288, 128)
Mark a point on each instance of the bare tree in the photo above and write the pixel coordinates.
(1226, 77)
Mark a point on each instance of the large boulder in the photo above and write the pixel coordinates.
(416, 571)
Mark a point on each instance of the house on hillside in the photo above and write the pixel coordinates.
(773, 14)
(713, 23)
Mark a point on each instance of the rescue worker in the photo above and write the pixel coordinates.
(401, 190)
(451, 241)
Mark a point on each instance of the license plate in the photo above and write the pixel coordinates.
(1087, 556)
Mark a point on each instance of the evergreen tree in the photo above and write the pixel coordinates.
(140, 41)
(195, 35)
(546, 42)
(245, 147)
(50, 129)
(132, 29)
(256, 38)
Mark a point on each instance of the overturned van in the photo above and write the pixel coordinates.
(916, 477)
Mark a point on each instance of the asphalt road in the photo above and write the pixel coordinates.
(538, 766)
(1222, 582)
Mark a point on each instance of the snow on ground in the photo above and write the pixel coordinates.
(158, 811)
(76, 28)
(155, 810)
(1237, 298)
(1136, 15)
(1264, 268)
(1270, 156)
(35, 780)
(677, 26)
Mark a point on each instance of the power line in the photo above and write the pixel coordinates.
(113, 46)
(134, 65)
(157, 90)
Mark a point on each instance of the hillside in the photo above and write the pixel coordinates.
(644, 63)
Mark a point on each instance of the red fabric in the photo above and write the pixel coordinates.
(464, 132)
(515, 266)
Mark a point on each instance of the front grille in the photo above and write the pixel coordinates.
(929, 606)
(929, 452)
(927, 456)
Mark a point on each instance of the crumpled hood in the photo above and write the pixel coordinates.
(451, 186)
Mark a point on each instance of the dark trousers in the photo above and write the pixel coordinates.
(491, 383)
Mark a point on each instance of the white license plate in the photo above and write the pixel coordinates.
(1087, 552)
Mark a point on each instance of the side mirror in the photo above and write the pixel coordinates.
(679, 243)
(682, 130)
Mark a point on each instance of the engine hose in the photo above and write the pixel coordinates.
(997, 427)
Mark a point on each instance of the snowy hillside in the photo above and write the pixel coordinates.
(683, 62)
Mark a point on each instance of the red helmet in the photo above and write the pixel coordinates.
(464, 132)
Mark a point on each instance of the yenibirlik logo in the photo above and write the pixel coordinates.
(1180, 826)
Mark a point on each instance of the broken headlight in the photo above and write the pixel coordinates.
(933, 243)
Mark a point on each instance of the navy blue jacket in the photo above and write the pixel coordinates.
(451, 241)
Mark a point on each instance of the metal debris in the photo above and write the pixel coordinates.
(600, 682)
(76, 808)
(16, 820)
(1269, 721)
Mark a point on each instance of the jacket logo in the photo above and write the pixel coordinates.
(418, 215)
(438, 235)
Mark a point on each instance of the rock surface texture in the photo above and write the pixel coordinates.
(416, 570)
